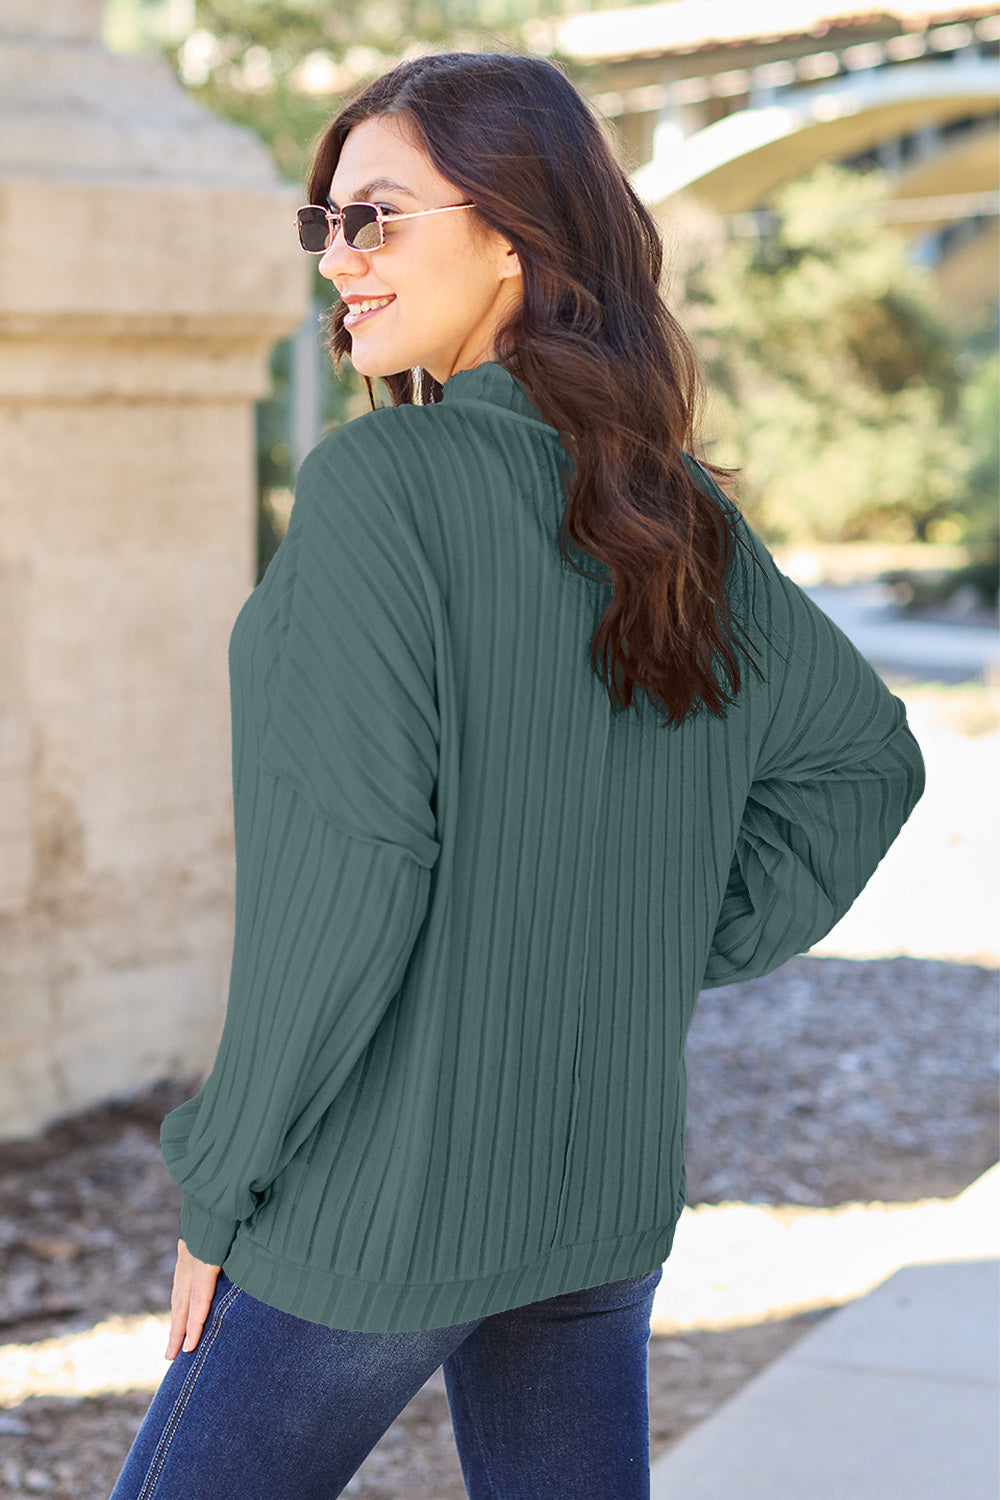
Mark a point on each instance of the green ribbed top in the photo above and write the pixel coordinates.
(474, 904)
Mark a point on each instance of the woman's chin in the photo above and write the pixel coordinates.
(367, 362)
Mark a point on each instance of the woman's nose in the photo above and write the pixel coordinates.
(341, 259)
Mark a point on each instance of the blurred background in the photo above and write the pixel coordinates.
(826, 178)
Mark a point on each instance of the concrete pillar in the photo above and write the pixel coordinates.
(148, 263)
(669, 132)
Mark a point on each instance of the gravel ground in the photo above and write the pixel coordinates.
(831, 1081)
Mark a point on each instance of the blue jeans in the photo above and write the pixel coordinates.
(548, 1401)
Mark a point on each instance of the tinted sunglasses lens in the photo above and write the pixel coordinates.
(314, 229)
(362, 229)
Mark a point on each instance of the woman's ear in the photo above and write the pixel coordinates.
(510, 264)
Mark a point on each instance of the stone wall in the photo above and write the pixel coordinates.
(147, 265)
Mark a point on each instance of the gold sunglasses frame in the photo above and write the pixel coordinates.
(380, 219)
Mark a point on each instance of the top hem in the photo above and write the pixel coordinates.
(346, 1302)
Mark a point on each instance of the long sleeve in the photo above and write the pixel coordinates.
(324, 928)
(335, 844)
(837, 772)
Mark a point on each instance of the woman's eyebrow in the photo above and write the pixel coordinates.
(377, 185)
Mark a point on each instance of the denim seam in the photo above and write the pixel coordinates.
(187, 1390)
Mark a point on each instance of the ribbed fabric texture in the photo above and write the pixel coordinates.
(474, 904)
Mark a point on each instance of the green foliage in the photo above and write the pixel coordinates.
(283, 69)
(979, 425)
(838, 387)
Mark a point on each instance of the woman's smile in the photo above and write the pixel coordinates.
(363, 310)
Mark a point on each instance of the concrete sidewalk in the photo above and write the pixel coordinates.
(893, 1397)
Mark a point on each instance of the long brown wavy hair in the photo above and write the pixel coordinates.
(595, 348)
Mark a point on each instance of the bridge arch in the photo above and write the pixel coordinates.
(736, 163)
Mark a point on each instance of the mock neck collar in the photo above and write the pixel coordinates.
(492, 383)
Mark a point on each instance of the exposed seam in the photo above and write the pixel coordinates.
(155, 1472)
(596, 854)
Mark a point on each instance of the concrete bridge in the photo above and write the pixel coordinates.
(723, 102)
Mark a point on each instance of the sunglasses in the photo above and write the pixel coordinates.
(361, 222)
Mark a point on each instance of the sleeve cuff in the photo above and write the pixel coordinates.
(207, 1236)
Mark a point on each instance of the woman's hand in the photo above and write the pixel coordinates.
(194, 1288)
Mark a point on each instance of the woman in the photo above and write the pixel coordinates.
(501, 813)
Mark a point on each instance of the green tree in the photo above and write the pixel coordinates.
(837, 383)
(978, 523)
(283, 68)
